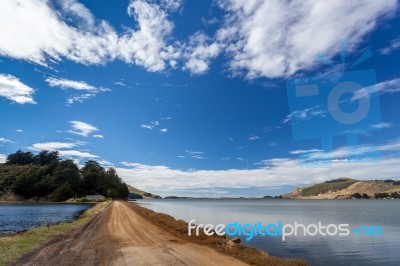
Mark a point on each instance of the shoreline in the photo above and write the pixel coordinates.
(221, 244)
(114, 236)
(15, 245)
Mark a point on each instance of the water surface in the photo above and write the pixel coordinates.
(17, 217)
(318, 250)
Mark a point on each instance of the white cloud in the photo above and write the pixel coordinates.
(146, 126)
(69, 84)
(98, 136)
(283, 172)
(19, 130)
(385, 87)
(106, 163)
(86, 40)
(3, 158)
(173, 5)
(164, 130)
(346, 152)
(88, 91)
(305, 151)
(79, 98)
(382, 125)
(305, 114)
(254, 137)
(82, 128)
(195, 154)
(13, 89)
(64, 149)
(77, 154)
(394, 45)
(277, 38)
(259, 38)
(5, 140)
(151, 125)
(199, 52)
(120, 83)
(146, 47)
(52, 146)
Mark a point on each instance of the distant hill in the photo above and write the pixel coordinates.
(135, 193)
(347, 188)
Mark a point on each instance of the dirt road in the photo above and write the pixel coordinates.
(120, 236)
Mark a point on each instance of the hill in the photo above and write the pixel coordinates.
(347, 188)
(135, 193)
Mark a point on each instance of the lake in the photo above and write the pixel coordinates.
(317, 250)
(19, 217)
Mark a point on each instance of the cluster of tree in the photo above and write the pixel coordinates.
(360, 196)
(46, 175)
(271, 197)
(384, 195)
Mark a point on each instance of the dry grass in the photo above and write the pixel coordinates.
(246, 254)
(13, 246)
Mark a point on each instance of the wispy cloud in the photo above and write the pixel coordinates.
(194, 154)
(65, 149)
(254, 137)
(346, 152)
(69, 84)
(19, 130)
(82, 128)
(283, 42)
(4, 140)
(382, 125)
(52, 146)
(164, 130)
(394, 45)
(98, 136)
(86, 91)
(305, 114)
(14, 90)
(305, 151)
(120, 83)
(151, 125)
(384, 87)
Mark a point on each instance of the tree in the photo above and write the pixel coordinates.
(47, 175)
(25, 183)
(47, 157)
(20, 157)
(62, 193)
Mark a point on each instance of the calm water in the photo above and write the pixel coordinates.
(317, 250)
(21, 217)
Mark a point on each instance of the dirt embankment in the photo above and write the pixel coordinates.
(122, 236)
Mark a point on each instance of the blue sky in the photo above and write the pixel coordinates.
(196, 98)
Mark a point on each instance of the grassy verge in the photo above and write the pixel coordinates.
(12, 247)
(244, 253)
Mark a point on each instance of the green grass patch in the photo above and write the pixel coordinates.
(14, 246)
(333, 185)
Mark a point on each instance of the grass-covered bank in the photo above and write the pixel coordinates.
(244, 253)
(13, 246)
